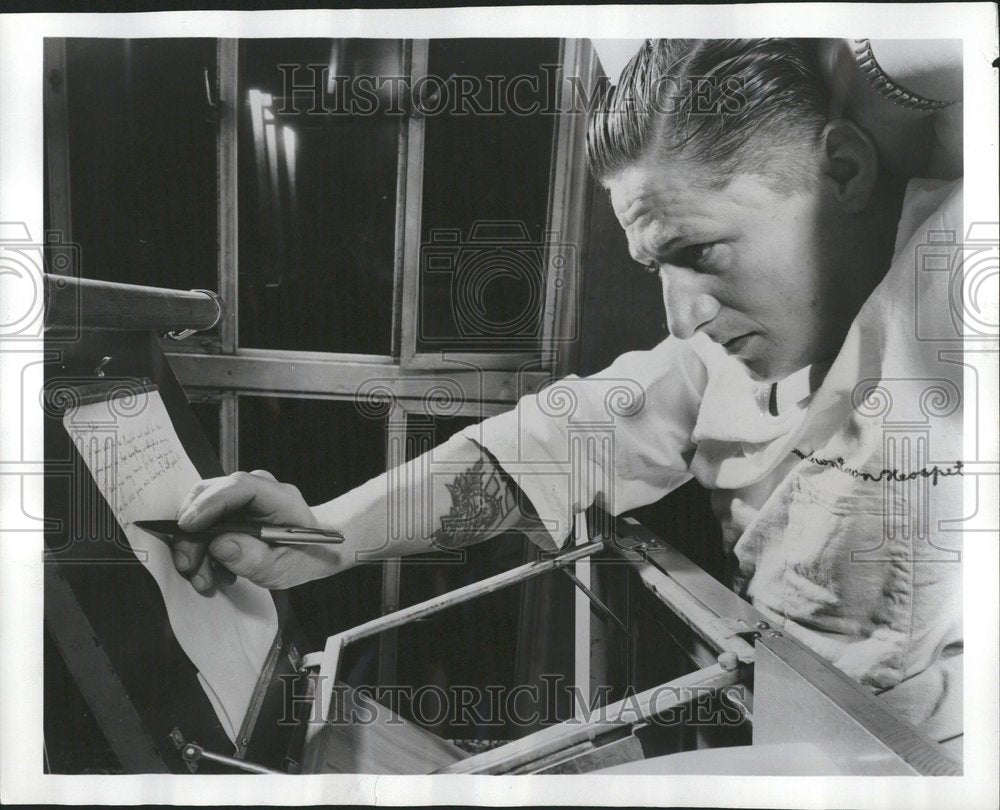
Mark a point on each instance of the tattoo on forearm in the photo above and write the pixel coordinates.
(480, 501)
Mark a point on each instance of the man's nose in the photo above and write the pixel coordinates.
(688, 306)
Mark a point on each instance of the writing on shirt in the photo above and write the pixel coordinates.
(934, 473)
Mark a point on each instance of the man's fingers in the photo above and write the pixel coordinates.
(195, 491)
(209, 562)
(219, 496)
(242, 554)
(202, 579)
(188, 555)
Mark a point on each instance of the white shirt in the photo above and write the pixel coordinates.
(843, 511)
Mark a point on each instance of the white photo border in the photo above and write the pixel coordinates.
(21, 200)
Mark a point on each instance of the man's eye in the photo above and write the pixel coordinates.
(699, 255)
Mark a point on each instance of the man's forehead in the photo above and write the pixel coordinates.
(665, 190)
(644, 187)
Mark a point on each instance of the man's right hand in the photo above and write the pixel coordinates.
(261, 498)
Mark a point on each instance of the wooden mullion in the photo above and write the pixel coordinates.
(399, 253)
(414, 190)
(227, 82)
(569, 197)
(57, 145)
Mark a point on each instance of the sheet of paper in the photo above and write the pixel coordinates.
(143, 472)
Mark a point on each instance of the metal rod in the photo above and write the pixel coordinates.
(603, 609)
(192, 752)
(460, 595)
(82, 303)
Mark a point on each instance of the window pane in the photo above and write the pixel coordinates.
(486, 185)
(474, 644)
(317, 196)
(142, 144)
(325, 448)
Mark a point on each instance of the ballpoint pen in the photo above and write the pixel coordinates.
(273, 535)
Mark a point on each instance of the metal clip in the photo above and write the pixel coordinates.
(186, 333)
(639, 547)
(99, 370)
(208, 90)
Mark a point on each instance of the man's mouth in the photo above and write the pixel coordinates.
(737, 344)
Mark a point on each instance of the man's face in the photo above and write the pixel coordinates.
(762, 273)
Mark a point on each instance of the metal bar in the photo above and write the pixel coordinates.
(856, 730)
(703, 603)
(74, 303)
(464, 594)
(581, 609)
(603, 609)
(321, 375)
(259, 693)
(227, 55)
(617, 752)
(614, 717)
(192, 752)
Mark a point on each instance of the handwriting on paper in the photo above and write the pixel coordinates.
(127, 462)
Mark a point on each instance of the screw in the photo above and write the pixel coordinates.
(762, 625)
(189, 751)
(774, 634)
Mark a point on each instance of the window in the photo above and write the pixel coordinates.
(366, 260)
(317, 214)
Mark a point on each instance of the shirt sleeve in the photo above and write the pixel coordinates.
(620, 438)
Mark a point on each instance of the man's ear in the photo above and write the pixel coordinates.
(850, 162)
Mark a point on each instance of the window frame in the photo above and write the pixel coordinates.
(500, 378)
(215, 368)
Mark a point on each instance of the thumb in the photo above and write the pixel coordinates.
(244, 555)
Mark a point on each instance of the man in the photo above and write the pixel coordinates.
(786, 250)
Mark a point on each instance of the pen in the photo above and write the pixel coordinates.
(273, 535)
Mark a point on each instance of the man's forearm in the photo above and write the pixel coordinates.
(453, 496)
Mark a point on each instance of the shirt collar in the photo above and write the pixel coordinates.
(794, 391)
